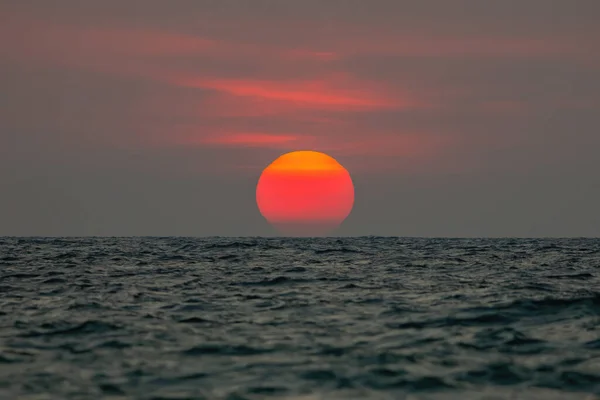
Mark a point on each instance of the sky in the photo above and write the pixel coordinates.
(455, 118)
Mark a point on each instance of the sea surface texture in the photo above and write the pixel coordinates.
(254, 318)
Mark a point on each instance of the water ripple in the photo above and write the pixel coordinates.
(302, 319)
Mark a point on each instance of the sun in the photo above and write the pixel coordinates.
(305, 193)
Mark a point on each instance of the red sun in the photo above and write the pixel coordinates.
(305, 193)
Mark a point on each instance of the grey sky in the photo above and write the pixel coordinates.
(454, 118)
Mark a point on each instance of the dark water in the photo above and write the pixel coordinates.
(381, 318)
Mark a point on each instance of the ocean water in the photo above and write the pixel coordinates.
(254, 318)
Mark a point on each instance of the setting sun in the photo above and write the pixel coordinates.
(305, 193)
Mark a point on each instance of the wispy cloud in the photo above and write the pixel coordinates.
(249, 139)
(235, 91)
(319, 93)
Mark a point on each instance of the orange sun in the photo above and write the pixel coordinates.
(305, 193)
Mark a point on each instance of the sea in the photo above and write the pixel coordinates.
(299, 318)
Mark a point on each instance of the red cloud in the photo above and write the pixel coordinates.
(158, 56)
(22, 36)
(250, 139)
(315, 93)
(415, 46)
(298, 54)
